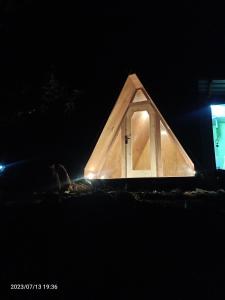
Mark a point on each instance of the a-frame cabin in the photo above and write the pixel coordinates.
(136, 141)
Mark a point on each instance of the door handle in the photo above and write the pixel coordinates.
(126, 139)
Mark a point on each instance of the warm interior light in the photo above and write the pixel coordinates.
(90, 175)
(163, 132)
(144, 115)
(218, 111)
(102, 177)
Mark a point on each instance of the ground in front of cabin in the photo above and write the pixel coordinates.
(115, 245)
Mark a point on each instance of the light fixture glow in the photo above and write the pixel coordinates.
(90, 175)
(218, 111)
(102, 177)
(191, 172)
(163, 132)
(2, 167)
(144, 115)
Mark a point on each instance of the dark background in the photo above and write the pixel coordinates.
(107, 245)
(93, 47)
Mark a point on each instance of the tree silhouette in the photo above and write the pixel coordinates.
(51, 94)
(58, 99)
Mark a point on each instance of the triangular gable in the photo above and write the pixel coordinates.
(132, 91)
(126, 96)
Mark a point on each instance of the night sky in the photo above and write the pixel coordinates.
(94, 47)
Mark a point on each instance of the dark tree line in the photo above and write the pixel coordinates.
(55, 100)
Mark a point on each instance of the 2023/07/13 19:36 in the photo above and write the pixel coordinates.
(34, 286)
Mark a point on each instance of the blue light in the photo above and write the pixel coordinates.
(2, 168)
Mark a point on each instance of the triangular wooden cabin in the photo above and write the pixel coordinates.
(136, 141)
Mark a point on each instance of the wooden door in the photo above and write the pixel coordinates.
(140, 151)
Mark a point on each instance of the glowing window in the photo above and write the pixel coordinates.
(218, 124)
(140, 140)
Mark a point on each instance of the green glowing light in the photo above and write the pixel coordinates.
(218, 123)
